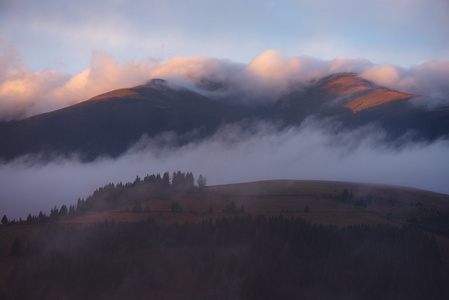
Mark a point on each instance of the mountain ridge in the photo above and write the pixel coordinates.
(109, 123)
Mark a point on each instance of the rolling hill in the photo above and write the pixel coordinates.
(108, 124)
(302, 237)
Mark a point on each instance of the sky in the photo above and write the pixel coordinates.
(57, 53)
(62, 35)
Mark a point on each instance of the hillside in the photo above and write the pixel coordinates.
(110, 123)
(246, 240)
(328, 202)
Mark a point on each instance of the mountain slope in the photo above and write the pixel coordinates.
(356, 102)
(110, 123)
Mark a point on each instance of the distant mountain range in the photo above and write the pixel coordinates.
(110, 123)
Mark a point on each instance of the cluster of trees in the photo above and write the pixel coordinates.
(232, 258)
(113, 195)
(41, 218)
(433, 221)
(231, 208)
(137, 208)
(348, 198)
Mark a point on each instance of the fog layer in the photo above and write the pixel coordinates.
(237, 153)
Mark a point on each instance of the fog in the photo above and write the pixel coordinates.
(236, 153)
(268, 76)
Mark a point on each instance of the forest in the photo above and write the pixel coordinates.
(238, 257)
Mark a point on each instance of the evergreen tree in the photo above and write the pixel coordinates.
(16, 248)
(176, 207)
(231, 208)
(166, 180)
(71, 210)
(63, 210)
(137, 180)
(201, 181)
(190, 180)
(306, 209)
(137, 207)
(4, 219)
(54, 213)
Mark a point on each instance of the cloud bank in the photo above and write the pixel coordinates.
(269, 75)
(236, 153)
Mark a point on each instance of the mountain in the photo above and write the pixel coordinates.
(354, 102)
(110, 123)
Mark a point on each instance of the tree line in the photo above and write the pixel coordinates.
(112, 195)
(237, 257)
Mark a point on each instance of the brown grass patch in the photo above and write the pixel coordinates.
(373, 98)
(390, 204)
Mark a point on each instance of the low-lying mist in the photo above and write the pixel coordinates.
(236, 153)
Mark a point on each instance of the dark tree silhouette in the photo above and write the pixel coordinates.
(137, 207)
(201, 181)
(176, 207)
(4, 219)
(190, 180)
(231, 208)
(16, 248)
(54, 213)
(166, 180)
(306, 209)
(63, 210)
(265, 258)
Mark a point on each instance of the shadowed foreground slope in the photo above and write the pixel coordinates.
(237, 258)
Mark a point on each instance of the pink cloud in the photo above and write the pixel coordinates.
(268, 76)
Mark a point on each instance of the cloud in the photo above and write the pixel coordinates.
(384, 75)
(24, 93)
(267, 77)
(236, 153)
(428, 79)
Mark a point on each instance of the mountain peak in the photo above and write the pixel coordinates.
(360, 94)
(344, 83)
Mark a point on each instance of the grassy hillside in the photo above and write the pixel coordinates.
(248, 240)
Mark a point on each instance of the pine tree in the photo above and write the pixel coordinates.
(201, 181)
(16, 248)
(4, 220)
(166, 180)
(63, 210)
